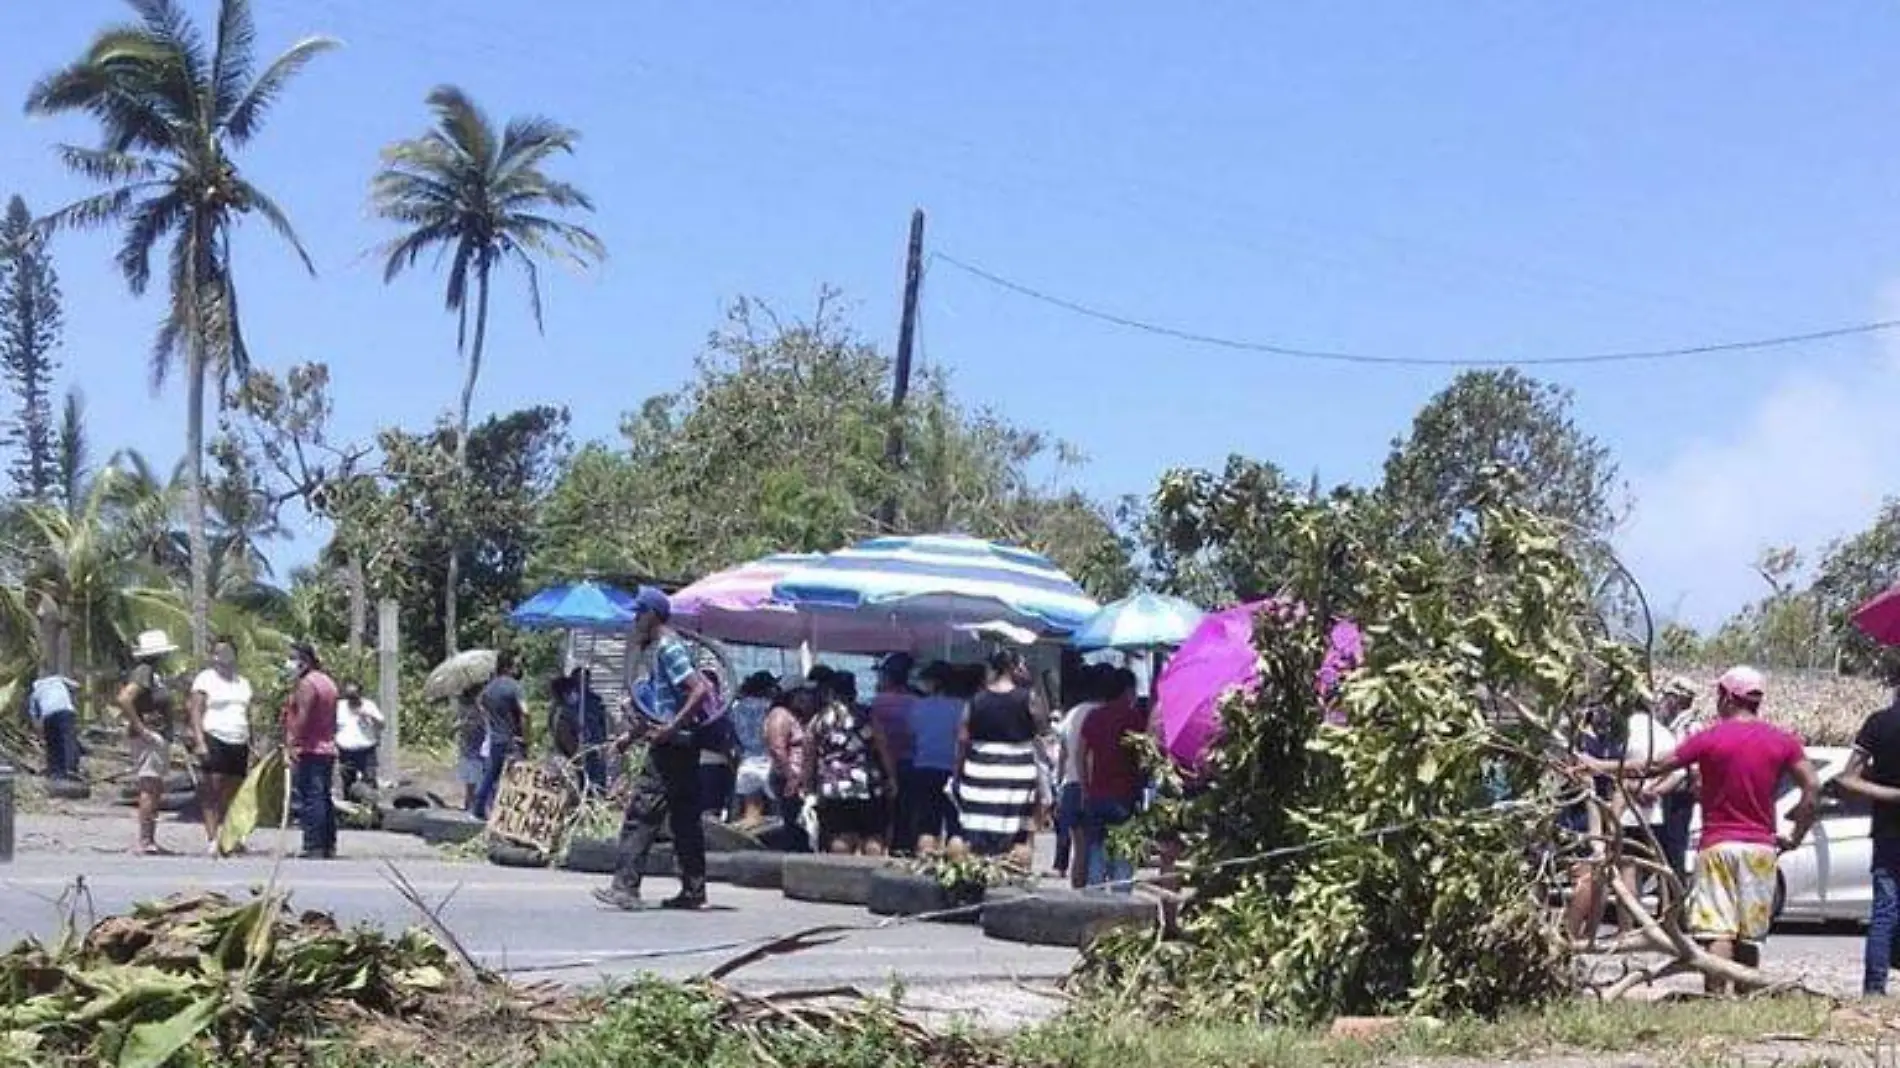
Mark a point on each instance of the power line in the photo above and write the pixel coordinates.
(1293, 352)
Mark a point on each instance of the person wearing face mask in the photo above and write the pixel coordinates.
(220, 707)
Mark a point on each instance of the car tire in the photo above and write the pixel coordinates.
(754, 871)
(595, 856)
(514, 855)
(1067, 918)
(403, 820)
(831, 880)
(68, 789)
(447, 827)
(412, 797)
(895, 892)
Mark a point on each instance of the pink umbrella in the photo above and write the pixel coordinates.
(1879, 618)
(1217, 658)
(736, 605)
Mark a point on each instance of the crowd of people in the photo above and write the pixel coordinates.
(210, 712)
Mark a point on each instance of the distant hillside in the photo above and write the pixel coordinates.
(1822, 707)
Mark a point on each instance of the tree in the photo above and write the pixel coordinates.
(171, 113)
(1502, 420)
(778, 445)
(482, 197)
(1359, 867)
(1203, 538)
(73, 459)
(30, 328)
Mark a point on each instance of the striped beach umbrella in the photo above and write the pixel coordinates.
(934, 583)
(1144, 621)
(736, 605)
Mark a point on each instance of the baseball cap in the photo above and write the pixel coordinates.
(647, 599)
(1680, 686)
(1742, 683)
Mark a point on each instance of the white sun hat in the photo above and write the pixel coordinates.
(153, 643)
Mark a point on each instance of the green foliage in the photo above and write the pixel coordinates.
(1502, 419)
(778, 445)
(31, 324)
(171, 111)
(1408, 893)
(1202, 538)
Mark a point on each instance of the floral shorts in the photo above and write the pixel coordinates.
(1734, 894)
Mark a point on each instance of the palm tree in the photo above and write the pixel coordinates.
(483, 200)
(170, 113)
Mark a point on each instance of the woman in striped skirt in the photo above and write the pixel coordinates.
(999, 777)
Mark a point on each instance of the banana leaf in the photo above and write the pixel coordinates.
(151, 1045)
(262, 801)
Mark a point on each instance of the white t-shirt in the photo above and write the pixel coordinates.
(227, 706)
(1070, 731)
(356, 728)
(1648, 740)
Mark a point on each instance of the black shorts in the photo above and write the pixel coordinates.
(857, 819)
(223, 758)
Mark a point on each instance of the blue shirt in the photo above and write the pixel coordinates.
(933, 731)
(664, 690)
(51, 696)
(748, 722)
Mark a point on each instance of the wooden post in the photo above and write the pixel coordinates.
(900, 383)
(388, 646)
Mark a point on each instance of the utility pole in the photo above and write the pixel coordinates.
(900, 384)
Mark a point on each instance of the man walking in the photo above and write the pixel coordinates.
(1740, 761)
(673, 701)
(1873, 772)
(149, 707)
(310, 746)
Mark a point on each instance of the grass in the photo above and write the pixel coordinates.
(656, 1025)
(1708, 1029)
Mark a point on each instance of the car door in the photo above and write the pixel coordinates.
(1843, 845)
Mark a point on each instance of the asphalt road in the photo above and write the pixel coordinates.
(543, 924)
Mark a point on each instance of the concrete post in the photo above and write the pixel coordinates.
(388, 646)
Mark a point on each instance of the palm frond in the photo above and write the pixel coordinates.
(151, 220)
(522, 193)
(167, 23)
(231, 61)
(402, 253)
(108, 83)
(107, 167)
(255, 199)
(533, 272)
(95, 211)
(247, 115)
(529, 140)
(465, 125)
(576, 245)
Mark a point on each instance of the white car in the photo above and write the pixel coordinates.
(1827, 879)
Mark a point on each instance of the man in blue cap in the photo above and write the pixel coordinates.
(676, 699)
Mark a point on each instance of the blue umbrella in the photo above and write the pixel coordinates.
(1144, 621)
(936, 582)
(575, 606)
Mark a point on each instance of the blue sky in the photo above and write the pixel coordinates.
(1444, 180)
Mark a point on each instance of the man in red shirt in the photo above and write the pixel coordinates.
(310, 747)
(1111, 779)
(1740, 761)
